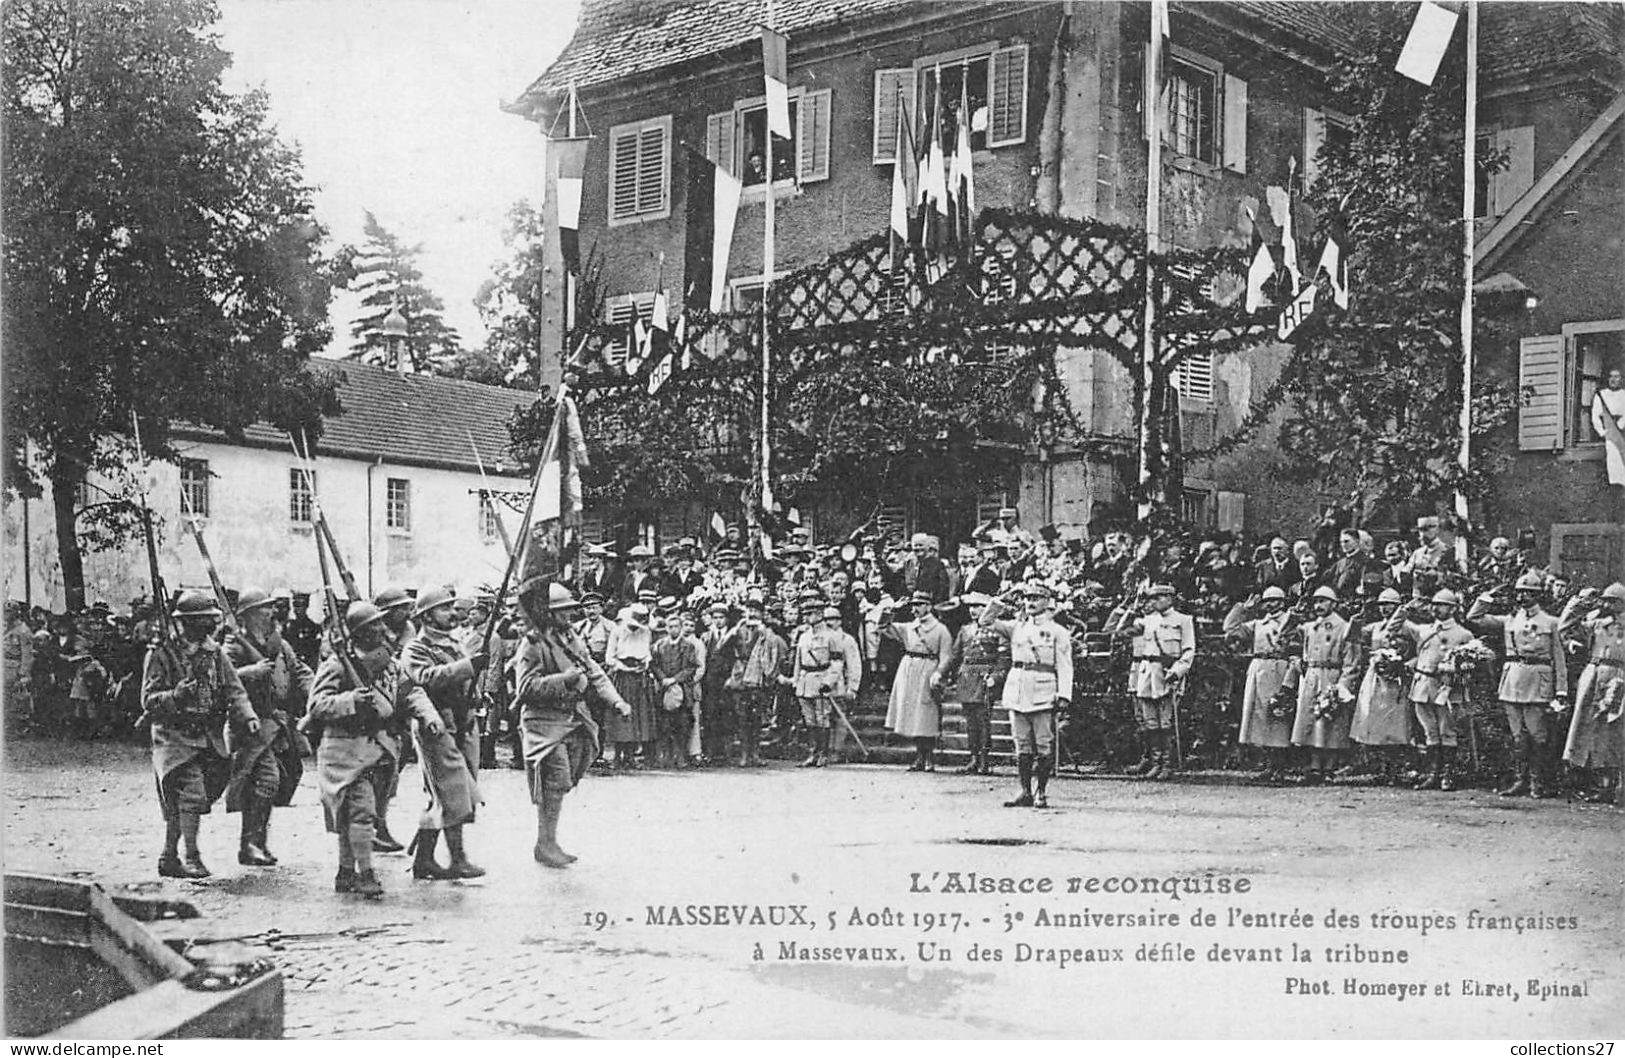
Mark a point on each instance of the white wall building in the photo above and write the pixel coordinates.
(395, 475)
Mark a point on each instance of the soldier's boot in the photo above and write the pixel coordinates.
(169, 861)
(547, 849)
(192, 860)
(1165, 766)
(1540, 774)
(1431, 777)
(250, 853)
(461, 866)
(382, 840)
(265, 832)
(1148, 755)
(344, 880)
(424, 866)
(823, 736)
(366, 881)
(366, 884)
(812, 749)
(1024, 768)
(1520, 779)
(1041, 772)
(1447, 771)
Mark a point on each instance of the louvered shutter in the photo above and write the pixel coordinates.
(1508, 185)
(719, 140)
(623, 175)
(889, 86)
(812, 136)
(652, 170)
(1007, 96)
(1235, 124)
(1232, 511)
(1542, 370)
(1314, 136)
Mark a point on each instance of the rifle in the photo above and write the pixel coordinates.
(548, 451)
(321, 520)
(165, 646)
(338, 637)
(228, 618)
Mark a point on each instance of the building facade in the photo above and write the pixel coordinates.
(395, 474)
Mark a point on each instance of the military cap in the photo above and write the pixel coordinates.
(252, 599)
(434, 597)
(196, 604)
(1325, 591)
(360, 615)
(688, 542)
(1036, 587)
(920, 598)
(391, 598)
(1530, 581)
(1274, 591)
(1445, 595)
(832, 613)
(1390, 595)
(1427, 522)
(975, 598)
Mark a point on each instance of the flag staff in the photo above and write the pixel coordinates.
(1153, 243)
(1469, 189)
(769, 251)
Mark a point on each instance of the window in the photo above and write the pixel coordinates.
(1193, 95)
(991, 80)
(1322, 129)
(736, 140)
(492, 504)
(1560, 375)
(301, 495)
(398, 505)
(195, 487)
(1495, 192)
(621, 310)
(640, 170)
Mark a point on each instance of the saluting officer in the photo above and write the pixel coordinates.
(1330, 663)
(1431, 695)
(1269, 670)
(976, 672)
(1592, 742)
(1164, 648)
(363, 702)
(435, 660)
(1040, 682)
(190, 690)
(265, 766)
(553, 677)
(1534, 677)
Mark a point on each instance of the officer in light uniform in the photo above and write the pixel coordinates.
(1270, 670)
(1330, 661)
(824, 670)
(1039, 683)
(1534, 677)
(1164, 648)
(1434, 639)
(1592, 742)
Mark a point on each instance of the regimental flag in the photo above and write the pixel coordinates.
(776, 76)
(1155, 73)
(551, 545)
(1425, 46)
(905, 184)
(961, 179)
(572, 159)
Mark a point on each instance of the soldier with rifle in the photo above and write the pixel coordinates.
(363, 701)
(435, 660)
(189, 690)
(266, 765)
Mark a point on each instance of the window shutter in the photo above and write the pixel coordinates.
(889, 85)
(719, 140)
(1314, 135)
(1194, 378)
(1542, 365)
(1235, 124)
(1232, 511)
(623, 175)
(812, 136)
(1007, 96)
(1508, 185)
(652, 170)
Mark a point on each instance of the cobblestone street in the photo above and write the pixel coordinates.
(518, 954)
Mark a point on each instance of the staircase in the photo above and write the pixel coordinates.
(868, 716)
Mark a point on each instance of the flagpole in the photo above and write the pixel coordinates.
(769, 250)
(1153, 242)
(1469, 174)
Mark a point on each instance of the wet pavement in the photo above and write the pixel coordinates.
(822, 867)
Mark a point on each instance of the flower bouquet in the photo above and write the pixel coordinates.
(1458, 667)
(1284, 705)
(1389, 664)
(1611, 702)
(1332, 703)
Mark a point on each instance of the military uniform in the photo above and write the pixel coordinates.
(266, 766)
(1534, 673)
(975, 674)
(1381, 715)
(1269, 670)
(1591, 742)
(1330, 661)
(1163, 649)
(1432, 694)
(825, 668)
(1040, 677)
(435, 661)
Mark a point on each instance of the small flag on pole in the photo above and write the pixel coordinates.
(661, 319)
(1260, 270)
(1425, 47)
(775, 69)
(905, 180)
(719, 527)
(659, 374)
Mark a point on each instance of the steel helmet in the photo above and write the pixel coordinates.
(559, 597)
(254, 598)
(428, 600)
(360, 615)
(1274, 591)
(390, 598)
(1325, 591)
(1530, 581)
(1615, 591)
(1445, 595)
(196, 604)
(1390, 595)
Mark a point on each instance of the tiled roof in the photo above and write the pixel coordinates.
(416, 420)
(620, 39)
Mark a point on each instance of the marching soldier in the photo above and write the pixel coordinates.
(396, 607)
(1164, 648)
(553, 677)
(1592, 741)
(265, 766)
(435, 660)
(825, 669)
(1269, 670)
(190, 690)
(976, 670)
(363, 700)
(1039, 683)
(1534, 678)
(1432, 696)
(1329, 663)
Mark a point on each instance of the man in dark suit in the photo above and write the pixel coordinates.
(1348, 572)
(683, 578)
(983, 575)
(1277, 568)
(930, 573)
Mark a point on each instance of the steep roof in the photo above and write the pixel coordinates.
(415, 420)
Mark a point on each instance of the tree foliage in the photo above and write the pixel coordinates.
(160, 253)
(1375, 393)
(384, 271)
